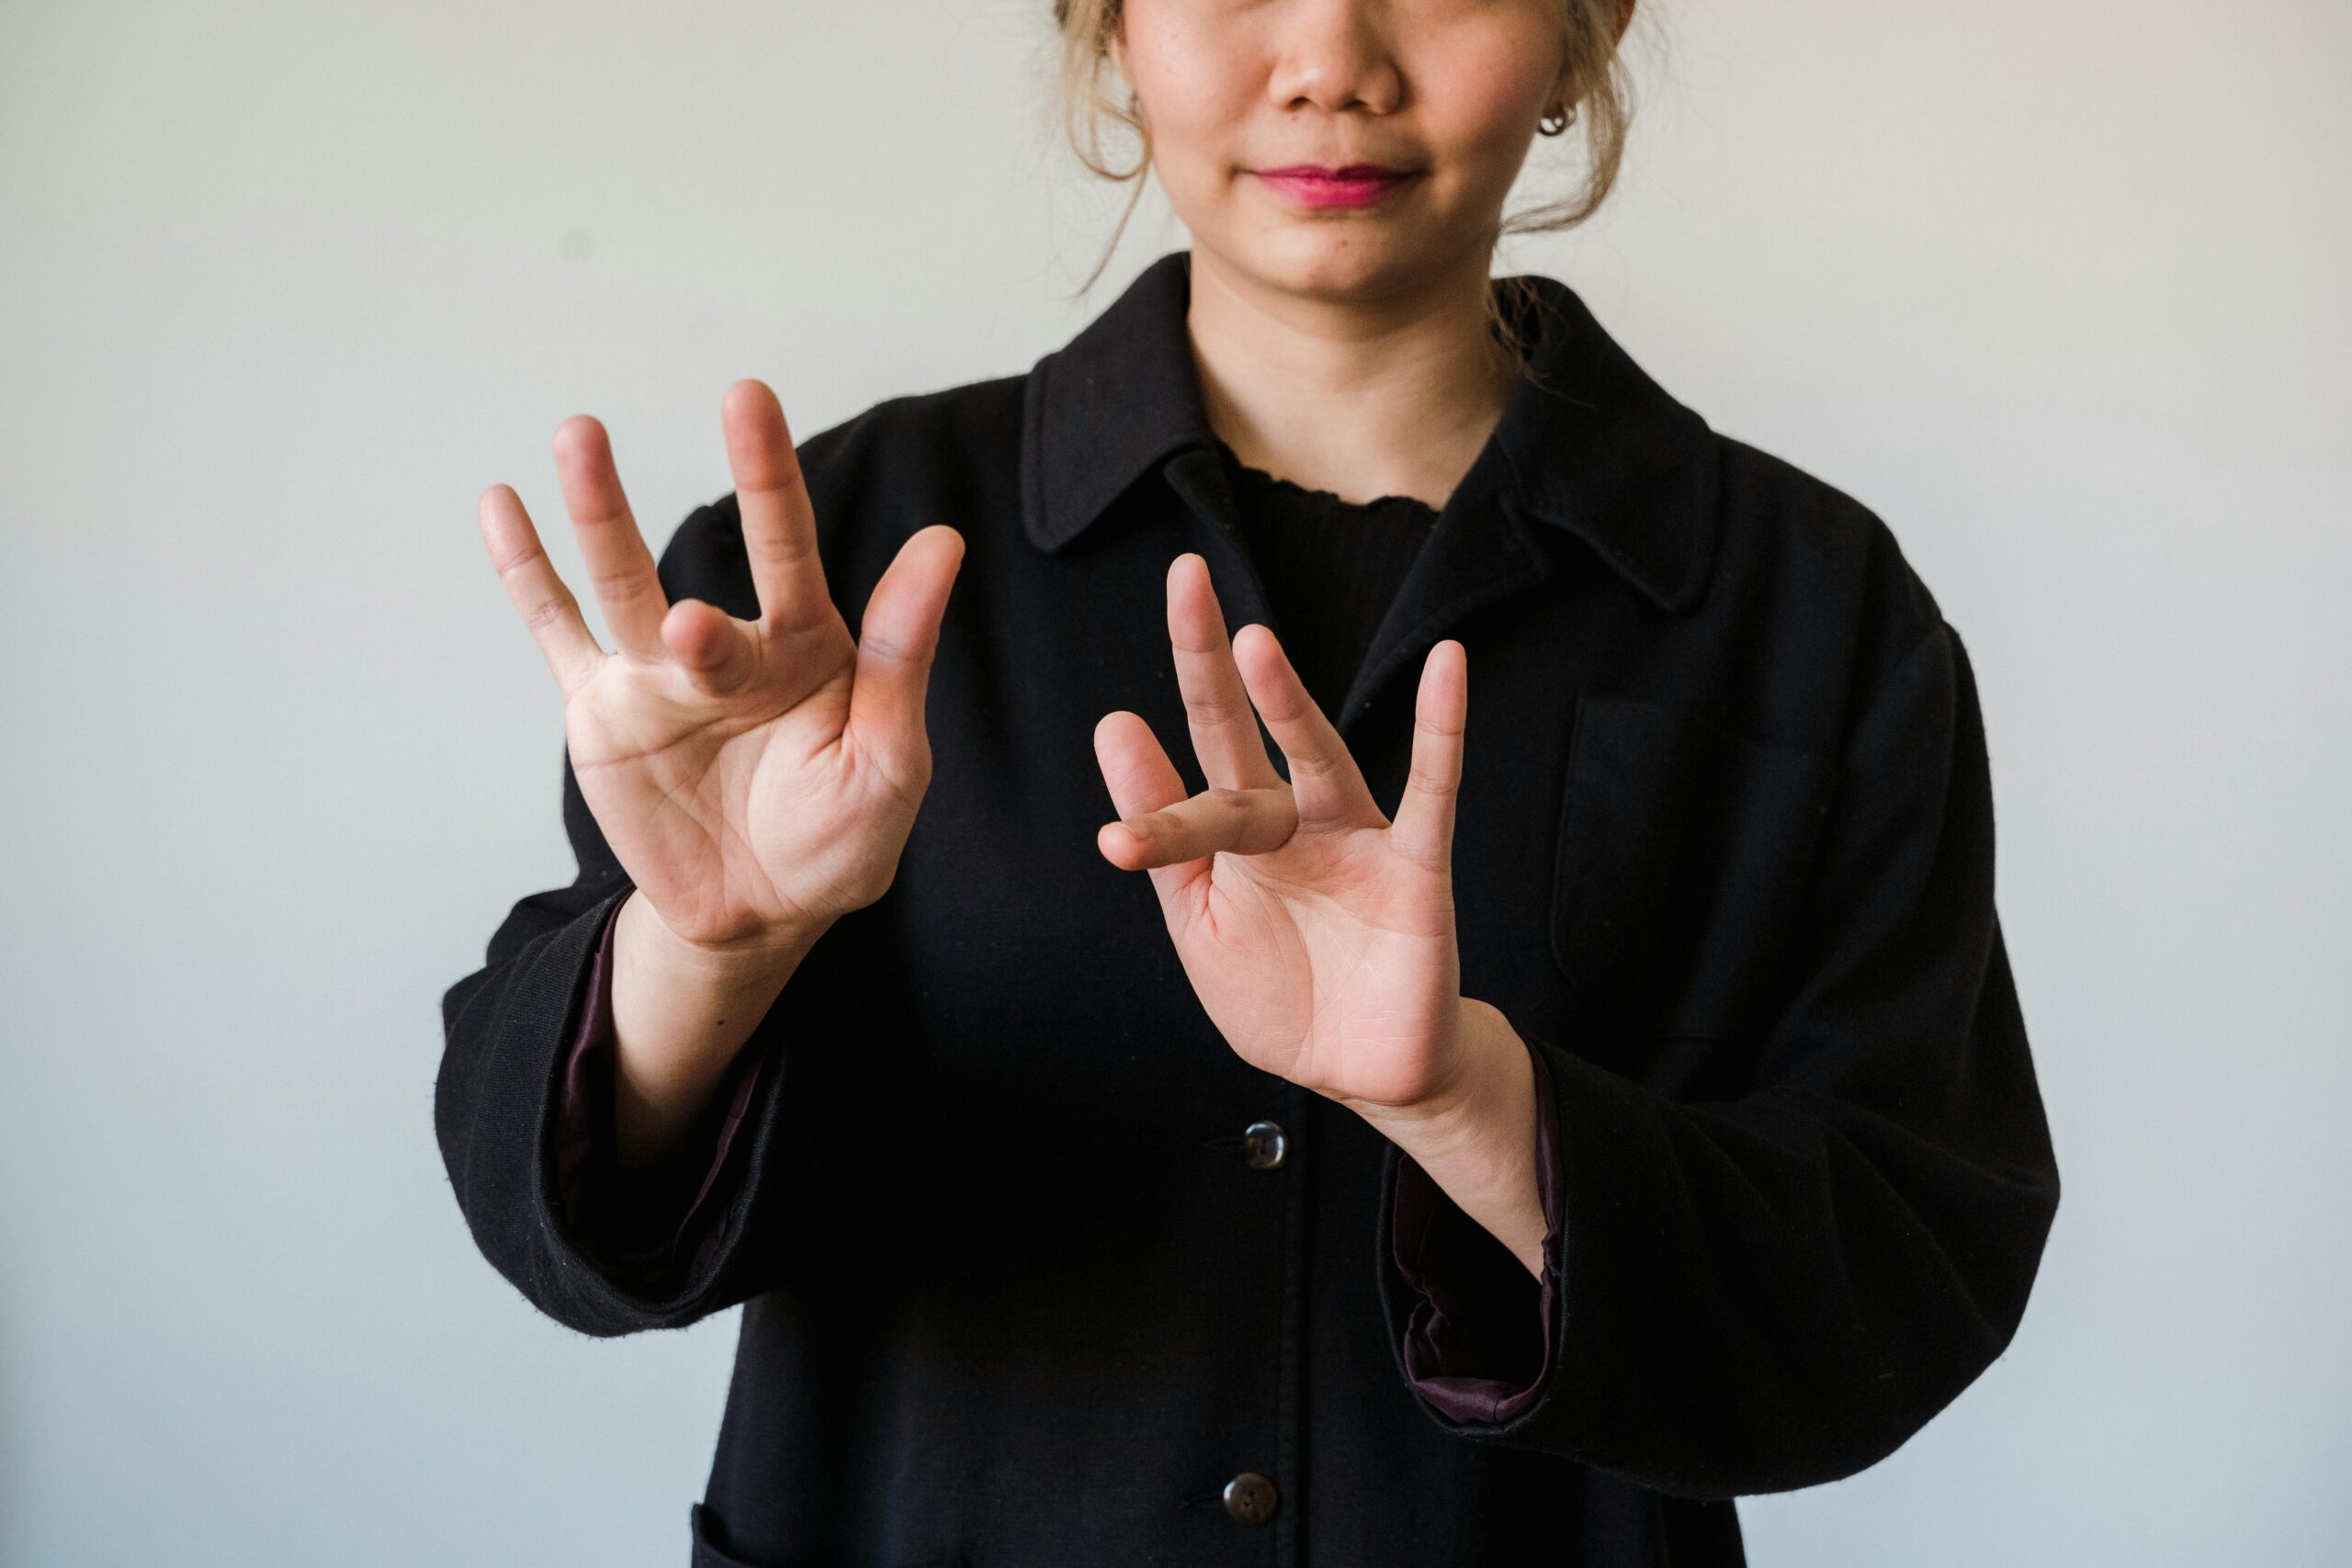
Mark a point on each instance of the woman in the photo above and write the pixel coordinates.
(1530, 1105)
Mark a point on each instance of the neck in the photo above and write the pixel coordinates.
(1393, 395)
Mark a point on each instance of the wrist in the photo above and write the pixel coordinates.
(1478, 1142)
(682, 1013)
(743, 962)
(1489, 1069)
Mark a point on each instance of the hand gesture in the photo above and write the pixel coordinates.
(1318, 934)
(756, 779)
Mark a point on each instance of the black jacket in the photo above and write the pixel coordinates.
(1723, 856)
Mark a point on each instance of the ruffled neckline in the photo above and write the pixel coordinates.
(1327, 500)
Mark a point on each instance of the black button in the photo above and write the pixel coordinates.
(1263, 1146)
(1250, 1497)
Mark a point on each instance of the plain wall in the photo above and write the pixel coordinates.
(2058, 288)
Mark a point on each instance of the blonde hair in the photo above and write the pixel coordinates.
(1596, 88)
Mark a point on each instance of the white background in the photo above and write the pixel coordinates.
(2057, 288)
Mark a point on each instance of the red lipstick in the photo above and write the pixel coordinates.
(1353, 185)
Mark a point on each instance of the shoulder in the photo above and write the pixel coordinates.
(966, 432)
(1815, 587)
(1780, 527)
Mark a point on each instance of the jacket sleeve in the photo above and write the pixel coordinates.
(1774, 1291)
(643, 1224)
(1479, 1327)
(509, 1030)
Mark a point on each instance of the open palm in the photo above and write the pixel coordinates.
(1318, 935)
(756, 779)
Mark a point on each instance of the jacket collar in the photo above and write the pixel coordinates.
(1592, 445)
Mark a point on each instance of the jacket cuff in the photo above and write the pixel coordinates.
(1477, 1342)
(637, 1230)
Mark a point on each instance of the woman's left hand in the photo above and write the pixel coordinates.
(1318, 934)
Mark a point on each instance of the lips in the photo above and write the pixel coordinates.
(1319, 186)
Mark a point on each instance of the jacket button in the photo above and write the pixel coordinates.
(1250, 1497)
(1263, 1146)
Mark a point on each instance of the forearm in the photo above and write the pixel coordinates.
(681, 1015)
(1479, 1145)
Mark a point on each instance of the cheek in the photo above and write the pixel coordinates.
(1482, 111)
(1190, 78)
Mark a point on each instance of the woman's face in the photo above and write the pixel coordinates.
(1446, 92)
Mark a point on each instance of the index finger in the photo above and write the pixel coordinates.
(779, 523)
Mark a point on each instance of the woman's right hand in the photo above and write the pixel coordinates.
(756, 779)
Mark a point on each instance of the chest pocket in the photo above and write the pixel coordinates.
(1683, 853)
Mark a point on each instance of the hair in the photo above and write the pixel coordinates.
(1596, 88)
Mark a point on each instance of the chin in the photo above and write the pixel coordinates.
(1326, 258)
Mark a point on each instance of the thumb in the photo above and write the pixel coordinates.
(897, 638)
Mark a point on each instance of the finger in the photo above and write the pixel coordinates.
(718, 653)
(1423, 831)
(620, 569)
(1228, 821)
(896, 639)
(546, 605)
(779, 523)
(1225, 738)
(1142, 780)
(1331, 792)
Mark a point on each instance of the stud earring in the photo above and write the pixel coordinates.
(1557, 120)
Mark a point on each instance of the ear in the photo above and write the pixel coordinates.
(1114, 47)
(1563, 85)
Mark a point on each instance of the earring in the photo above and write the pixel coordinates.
(1565, 116)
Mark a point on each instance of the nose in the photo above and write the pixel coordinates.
(1335, 56)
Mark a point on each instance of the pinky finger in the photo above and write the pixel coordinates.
(546, 606)
(1423, 830)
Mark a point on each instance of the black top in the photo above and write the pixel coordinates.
(1011, 1292)
(1329, 566)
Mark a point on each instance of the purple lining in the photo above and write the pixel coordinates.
(1478, 1343)
(632, 1228)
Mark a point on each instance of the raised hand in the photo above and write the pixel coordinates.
(756, 779)
(1318, 934)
